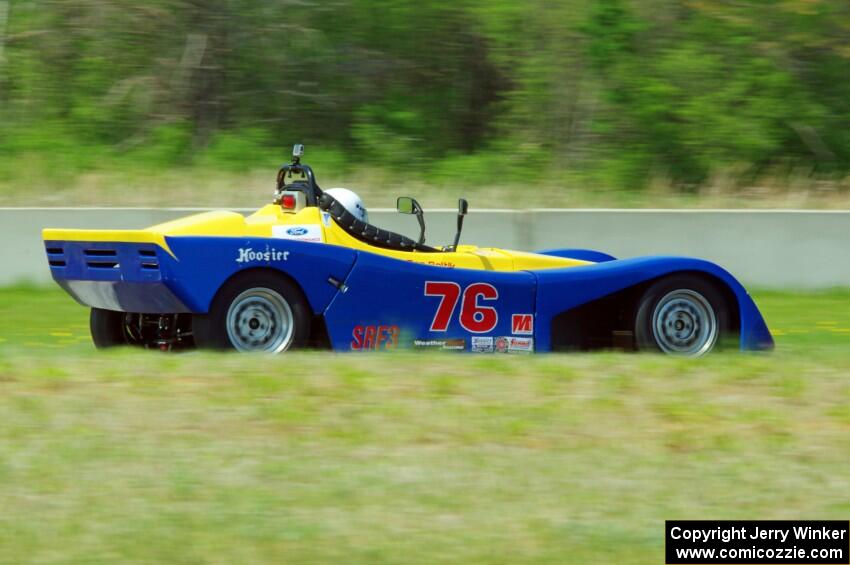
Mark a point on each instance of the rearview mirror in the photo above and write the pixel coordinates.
(462, 209)
(406, 205)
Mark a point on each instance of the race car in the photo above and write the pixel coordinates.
(309, 270)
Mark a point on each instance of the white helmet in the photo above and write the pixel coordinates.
(351, 202)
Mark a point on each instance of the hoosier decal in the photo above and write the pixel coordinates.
(247, 254)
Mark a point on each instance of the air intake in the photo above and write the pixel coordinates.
(56, 256)
(149, 259)
(101, 258)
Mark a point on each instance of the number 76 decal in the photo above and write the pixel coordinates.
(474, 317)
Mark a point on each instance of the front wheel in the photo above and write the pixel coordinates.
(682, 315)
(256, 312)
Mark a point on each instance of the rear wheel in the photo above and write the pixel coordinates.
(107, 328)
(259, 311)
(682, 315)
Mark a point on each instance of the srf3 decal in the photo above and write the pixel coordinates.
(366, 338)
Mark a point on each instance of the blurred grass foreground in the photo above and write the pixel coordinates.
(142, 457)
(602, 102)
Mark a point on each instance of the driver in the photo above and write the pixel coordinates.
(351, 202)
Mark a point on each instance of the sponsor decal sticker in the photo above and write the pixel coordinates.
(373, 338)
(269, 255)
(326, 219)
(482, 344)
(306, 232)
(458, 344)
(513, 344)
(446, 264)
(522, 324)
(520, 345)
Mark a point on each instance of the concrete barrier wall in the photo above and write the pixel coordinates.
(768, 249)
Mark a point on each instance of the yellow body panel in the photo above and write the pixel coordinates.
(125, 236)
(262, 222)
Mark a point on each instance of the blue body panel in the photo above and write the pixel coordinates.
(205, 263)
(387, 292)
(122, 276)
(188, 280)
(559, 290)
(384, 302)
(580, 254)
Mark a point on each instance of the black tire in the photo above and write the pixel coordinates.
(675, 315)
(107, 328)
(211, 330)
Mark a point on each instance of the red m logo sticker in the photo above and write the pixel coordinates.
(522, 324)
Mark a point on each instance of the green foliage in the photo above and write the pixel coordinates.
(164, 145)
(240, 149)
(391, 137)
(618, 90)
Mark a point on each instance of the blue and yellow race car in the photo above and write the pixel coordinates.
(309, 270)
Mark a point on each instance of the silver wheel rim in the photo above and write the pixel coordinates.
(260, 320)
(684, 323)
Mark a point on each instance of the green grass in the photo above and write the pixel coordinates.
(144, 457)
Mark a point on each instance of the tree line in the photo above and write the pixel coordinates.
(623, 89)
